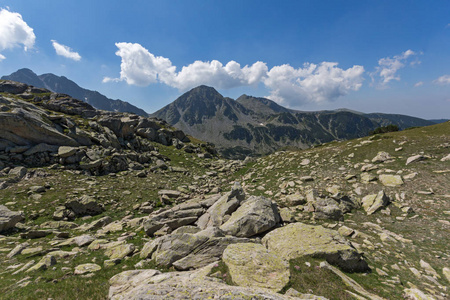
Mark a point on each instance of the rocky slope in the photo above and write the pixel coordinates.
(252, 125)
(61, 84)
(359, 219)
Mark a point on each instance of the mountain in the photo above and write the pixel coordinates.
(251, 125)
(61, 84)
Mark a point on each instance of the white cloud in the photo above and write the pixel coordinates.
(388, 67)
(65, 51)
(323, 82)
(420, 83)
(312, 83)
(443, 80)
(2, 57)
(14, 31)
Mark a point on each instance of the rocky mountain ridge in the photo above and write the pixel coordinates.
(250, 125)
(61, 84)
(41, 128)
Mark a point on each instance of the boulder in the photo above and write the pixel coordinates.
(152, 284)
(66, 151)
(295, 199)
(255, 215)
(18, 172)
(186, 250)
(391, 180)
(46, 262)
(374, 202)
(9, 218)
(381, 157)
(415, 158)
(86, 205)
(226, 205)
(119, 251)
(327, 209)
(252, 265)
(298, 240)
(86, 268)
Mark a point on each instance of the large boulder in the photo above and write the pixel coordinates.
(252, 265)
(225, 206)
(9, 218)
(255, 215)
(186, 250)
(154, 285)
(298, 240)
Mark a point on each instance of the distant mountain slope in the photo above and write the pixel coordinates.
(252, 125)
(61, 84)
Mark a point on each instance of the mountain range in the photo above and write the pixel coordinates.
(61, 84)
(245, 126)
(251, 125)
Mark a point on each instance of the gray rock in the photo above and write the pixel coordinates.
(226, 205)
(381, 157)
(18, 172)
(374, 202)
(255, 215)
(86, 205)
(186, 250)
(66, 151)
(46, 262)
(295, 199)
(9, 218)
(152, 284)
(415, 158)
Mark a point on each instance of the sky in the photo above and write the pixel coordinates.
(369, 56)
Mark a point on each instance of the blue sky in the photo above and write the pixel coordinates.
(370, 56)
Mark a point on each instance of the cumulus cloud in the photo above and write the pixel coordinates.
(388, 67)
(2, 57)
(443, 80)
(14, 31)
(323, 82)
(312, 83)
(420, 83)
(65, 51)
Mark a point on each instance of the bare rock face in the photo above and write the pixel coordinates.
(152, 284)
(24, 127)
(9, 218)
(298, 240)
